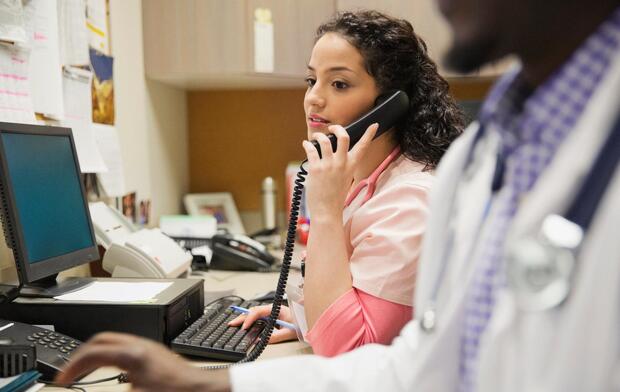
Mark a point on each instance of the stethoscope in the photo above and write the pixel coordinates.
(540, 267)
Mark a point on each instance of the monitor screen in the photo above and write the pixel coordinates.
(45, 198)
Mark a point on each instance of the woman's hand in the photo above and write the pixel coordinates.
(332, 175)
(149, 365)
(258, 312)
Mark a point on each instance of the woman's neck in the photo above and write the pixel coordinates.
(376, 153)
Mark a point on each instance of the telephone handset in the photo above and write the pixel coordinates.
(388, 110)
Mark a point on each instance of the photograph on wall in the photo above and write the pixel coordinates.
(129, 206)
(102, 87)
(145, 212)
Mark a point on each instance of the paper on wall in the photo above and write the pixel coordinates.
(78, 108)
(15, 90)
(41, 21)
(73, 32)
(112, 181)
(263, 40)
(12, 22)
(97, 24)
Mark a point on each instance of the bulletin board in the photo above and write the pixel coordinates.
(56, 68)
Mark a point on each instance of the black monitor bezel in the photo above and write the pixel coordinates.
(29, 273)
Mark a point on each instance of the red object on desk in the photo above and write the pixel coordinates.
(303, 230)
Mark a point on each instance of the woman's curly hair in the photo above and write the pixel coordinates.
(397, 58)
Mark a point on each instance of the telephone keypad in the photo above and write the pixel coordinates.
(53, 341)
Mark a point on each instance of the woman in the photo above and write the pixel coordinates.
(368, 205)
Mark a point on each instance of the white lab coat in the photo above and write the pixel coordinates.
(575, 347)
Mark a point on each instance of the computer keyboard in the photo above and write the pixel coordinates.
(211, 337)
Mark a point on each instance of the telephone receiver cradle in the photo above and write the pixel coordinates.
(389, 109)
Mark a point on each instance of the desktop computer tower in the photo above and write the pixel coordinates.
(161, 319)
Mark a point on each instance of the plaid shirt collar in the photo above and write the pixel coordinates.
(547, 114)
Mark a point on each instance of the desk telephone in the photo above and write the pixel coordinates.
(53, 349)
(133, 253)
(229, 252)
(239, 253)
(210, 336)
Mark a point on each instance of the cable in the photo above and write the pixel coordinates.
(284, 271)
(121, 378)
(221, 298)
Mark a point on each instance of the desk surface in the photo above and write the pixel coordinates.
(244, 284)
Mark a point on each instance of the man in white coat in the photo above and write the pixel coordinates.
(488, 316)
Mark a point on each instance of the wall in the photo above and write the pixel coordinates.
(238, 137)
(151, 120)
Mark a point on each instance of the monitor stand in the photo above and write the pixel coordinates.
(49, 288)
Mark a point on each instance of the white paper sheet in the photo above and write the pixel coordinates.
(73, 32)
(78, 109)
(263, 41)
(11, 21)
(15, 91)
(117, 292)
(112, 181)
(41, 21)
(97, 24)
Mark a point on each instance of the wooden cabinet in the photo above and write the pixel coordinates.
(294, 23)
(428, 23)
(211, 43)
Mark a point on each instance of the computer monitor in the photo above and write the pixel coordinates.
(44, 209)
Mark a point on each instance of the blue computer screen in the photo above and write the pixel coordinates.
(48, 195)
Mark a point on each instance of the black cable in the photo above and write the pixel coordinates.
(121, 378)
(284, 271)
(221, 298)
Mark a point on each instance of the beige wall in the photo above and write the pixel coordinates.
(150, 118)
(151, 122)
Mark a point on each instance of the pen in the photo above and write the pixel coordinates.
(9, 325)
(281, 323)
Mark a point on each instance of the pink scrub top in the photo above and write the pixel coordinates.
(384, 219)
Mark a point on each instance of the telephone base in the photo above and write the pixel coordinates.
(46, 290)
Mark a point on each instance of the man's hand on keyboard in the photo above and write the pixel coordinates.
(150, 366)
(258, 312)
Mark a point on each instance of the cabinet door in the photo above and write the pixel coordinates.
(219, 30)
(427, 22)
(422, 14)
(294, 23)
(311, 14)
(160, 36)
(190, 38)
